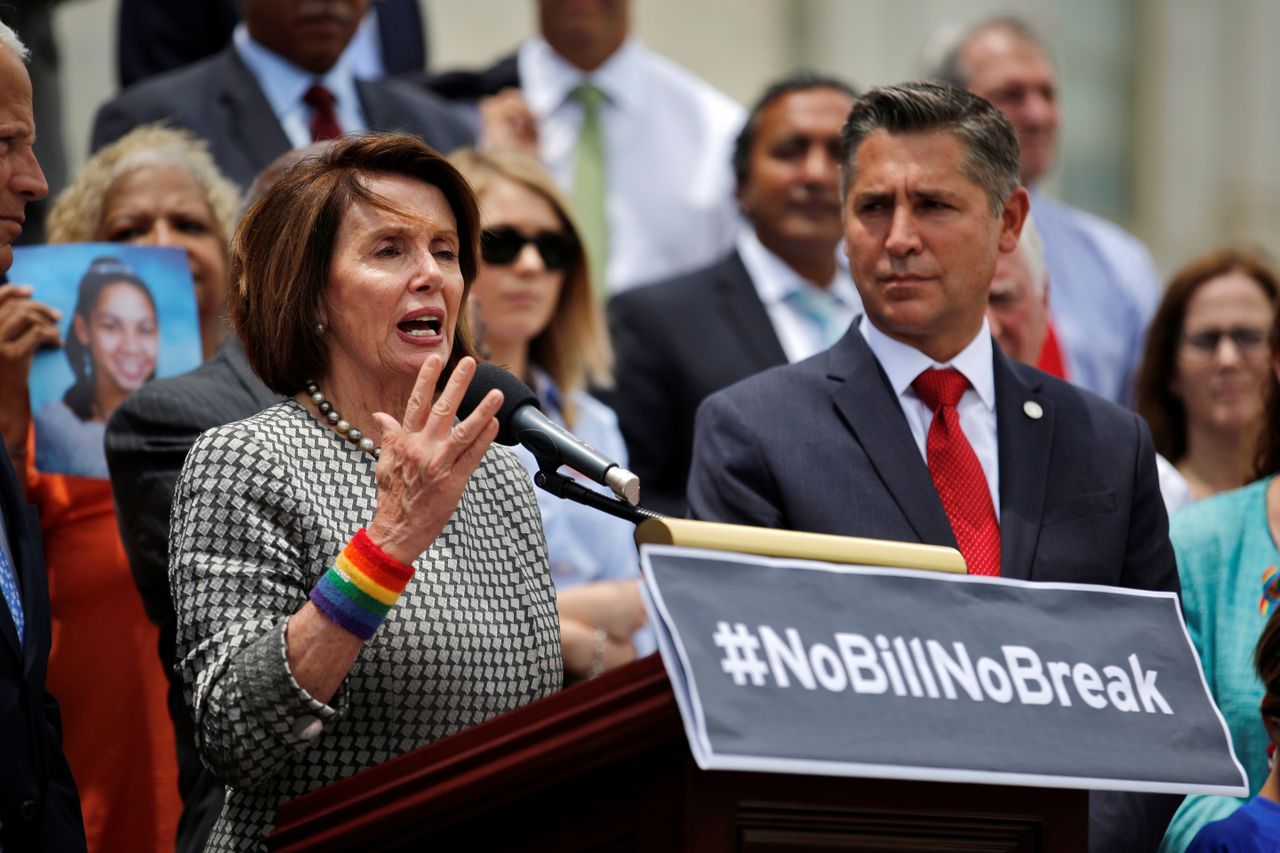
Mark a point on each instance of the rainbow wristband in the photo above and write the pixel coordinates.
(360, 587)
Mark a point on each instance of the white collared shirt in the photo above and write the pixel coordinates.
(284, 84)
(774, 280)
(668, 140)
(977, 408)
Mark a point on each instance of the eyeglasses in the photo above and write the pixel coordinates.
(501, 246)
(1249, 342)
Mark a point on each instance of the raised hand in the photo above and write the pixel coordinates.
(507, 123)
(427, 459)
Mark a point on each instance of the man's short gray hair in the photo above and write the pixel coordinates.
(9, 39)
(991, 159)
(943, 56)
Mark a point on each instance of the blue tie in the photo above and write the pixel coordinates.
(9, 586)
(818, 308)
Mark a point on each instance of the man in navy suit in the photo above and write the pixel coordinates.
(1062, 484)
(779, 296)
(257, 98)
(39, 807)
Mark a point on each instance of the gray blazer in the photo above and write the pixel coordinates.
(262, 508)
(219, 100)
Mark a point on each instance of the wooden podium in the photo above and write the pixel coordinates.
(604, 766)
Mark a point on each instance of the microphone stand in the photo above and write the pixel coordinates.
(565, 487)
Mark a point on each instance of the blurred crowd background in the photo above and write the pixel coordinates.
(1166, 126)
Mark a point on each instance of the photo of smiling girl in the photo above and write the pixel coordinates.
(112, 349)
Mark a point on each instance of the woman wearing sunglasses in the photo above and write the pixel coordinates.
(539, 319)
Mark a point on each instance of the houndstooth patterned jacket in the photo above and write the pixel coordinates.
(261, 510)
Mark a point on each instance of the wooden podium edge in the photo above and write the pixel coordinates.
(624, 711)
(765, 542)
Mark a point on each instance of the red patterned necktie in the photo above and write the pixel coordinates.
(324, 119)
(957, 474)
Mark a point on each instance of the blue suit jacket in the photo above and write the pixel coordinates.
(220, 101)
(39, 806)
(823, 446)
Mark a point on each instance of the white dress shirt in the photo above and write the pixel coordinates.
(668, 139)
(775, 281)
(977, 408)
(284, 84)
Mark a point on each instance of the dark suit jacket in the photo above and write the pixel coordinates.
(677, 342)
(154, 36)
(219, 99)
(467, 85)
(147, 441)
(39, 806)
(823, 446)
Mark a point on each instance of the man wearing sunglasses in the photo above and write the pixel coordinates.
(783, 293)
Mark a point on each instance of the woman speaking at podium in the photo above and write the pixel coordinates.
(355, 574)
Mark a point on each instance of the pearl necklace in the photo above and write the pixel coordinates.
(343, 428)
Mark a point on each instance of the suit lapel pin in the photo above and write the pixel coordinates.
(1033, 410)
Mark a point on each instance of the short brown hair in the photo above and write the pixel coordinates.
(574, 348)
(282, 250)
(1156, 401)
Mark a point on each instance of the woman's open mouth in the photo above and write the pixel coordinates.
(422, 327)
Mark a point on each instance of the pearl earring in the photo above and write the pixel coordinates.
(320, 328)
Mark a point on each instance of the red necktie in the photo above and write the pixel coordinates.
(324, 119)
(957, 474)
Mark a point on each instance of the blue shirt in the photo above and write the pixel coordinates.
(1252, 827)
(585, 545)
(65, 444)
(1103, 290)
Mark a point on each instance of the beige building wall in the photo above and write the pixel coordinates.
(1170, 114)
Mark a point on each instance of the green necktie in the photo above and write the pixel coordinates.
(589, 184)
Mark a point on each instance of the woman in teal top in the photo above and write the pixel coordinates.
(1229, 567)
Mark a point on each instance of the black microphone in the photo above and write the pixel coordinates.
(521, 421)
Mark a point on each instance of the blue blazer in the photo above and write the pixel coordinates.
(220, 101)
(39, 806)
